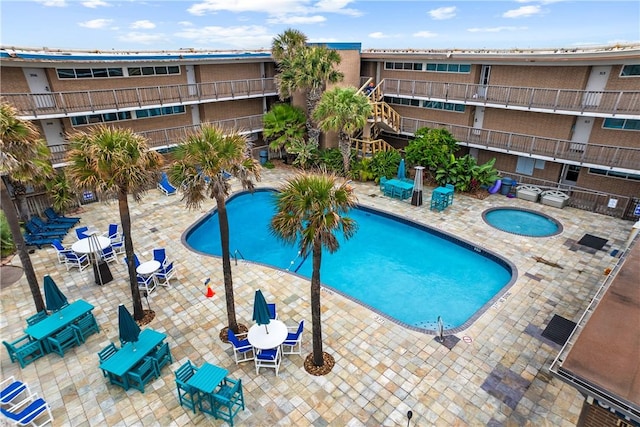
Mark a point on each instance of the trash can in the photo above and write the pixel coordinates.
(264, 156)
(505, 188)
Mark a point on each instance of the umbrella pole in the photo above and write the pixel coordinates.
(265, 328)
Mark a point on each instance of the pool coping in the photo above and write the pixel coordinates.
(500, 295)
(499, 208)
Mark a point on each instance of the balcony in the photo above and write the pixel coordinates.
(621, 159)
(170, 137)
(619, 104)
(63, 104)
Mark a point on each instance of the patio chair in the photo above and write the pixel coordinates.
(54, 217)
(144, 372)
(13, 392)
(106, 353)
(242, 349)
(81, 232)
(112, 232)
(38, 222)
(147, 283)
(293, 343)
(270, 358)
(272, 311)
(187, 395)
(74, 260)
(228, 400)
(160, 255)
(35, 240)
(165, 186)
(118, 245)
(33, 411)
(60, 250)
(63, 340)
(35, 231)
(162, 356)
(86, 326)
(109, 255)
(24, 350)
(453, 189)
(165, 274)
(136, 261)
(32, 320)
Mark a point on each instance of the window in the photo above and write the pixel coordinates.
(66, 73)
(446, 106)
(630, 71)
(153, 71)
(88, 73)
(115, 72)
(624, 124)
(165, 111)
(83, 73)
(614, 174)
(449, 68)
(99, 72)
(525, 165)
(100, 118)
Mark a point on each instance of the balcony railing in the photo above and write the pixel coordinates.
(170, 137)
(61, 104)
(623, 104)
(624, 159)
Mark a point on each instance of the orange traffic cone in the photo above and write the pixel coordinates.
(210, 292)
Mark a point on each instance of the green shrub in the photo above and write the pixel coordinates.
(385, 163)
(331, 159)
(7, 247)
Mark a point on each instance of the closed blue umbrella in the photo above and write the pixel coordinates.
(127, 327)
(402, 173)
(260, 310)
(54, 298)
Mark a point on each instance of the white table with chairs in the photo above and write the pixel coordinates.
(93, 247)
(260, 339)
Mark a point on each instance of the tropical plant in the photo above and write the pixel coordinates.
(385, 163)
(282, 124)
(465, 174)
(431, 148)
(331, 160)
(343, 110)
(60, 191)
(307, 69)
(310, 212)
(305, 152)
(202, 160)
(24, 153)
(7, 246)
(115, 163)
(362, 170)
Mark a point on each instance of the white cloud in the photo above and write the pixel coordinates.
(425, 34)
(242, 37)
(443, 13)
(53, 3)
(96, 23)
(381, 35)
(92, 4)
(273, 7)
(495, 29)
(143, 38)
(142, 25)
(296, 20)
(185, 24)
(522, 12)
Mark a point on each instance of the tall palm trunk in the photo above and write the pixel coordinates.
(344, 145)
(315, 304)
(125, 219)
(312, 128)
(223, 222)
(14, 225)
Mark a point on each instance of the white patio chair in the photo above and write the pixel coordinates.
(293, 343)
(270, 358)
(72, 259)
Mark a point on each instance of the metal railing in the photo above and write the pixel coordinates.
(602, 103)
(625, 159)
(61, 104)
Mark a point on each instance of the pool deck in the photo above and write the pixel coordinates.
(495, 374)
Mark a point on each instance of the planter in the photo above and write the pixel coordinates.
(528, 192)
(554, 198)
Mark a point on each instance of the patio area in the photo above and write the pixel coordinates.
(495, 375)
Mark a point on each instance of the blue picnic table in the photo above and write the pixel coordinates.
(206, 379)
(398, 188)
(59, 320)
(130, 355)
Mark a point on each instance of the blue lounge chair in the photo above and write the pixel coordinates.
(54, 217)
(38, 222)
(165, 186)
(13, 391)
(30, 410)
(34, 240)
(35, 231)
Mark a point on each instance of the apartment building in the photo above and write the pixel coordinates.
(567, 119)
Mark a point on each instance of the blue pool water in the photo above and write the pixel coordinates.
(522, 221)
(403, 270)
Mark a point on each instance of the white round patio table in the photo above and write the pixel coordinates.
(259, 338)
(91, 244)
(147, 268)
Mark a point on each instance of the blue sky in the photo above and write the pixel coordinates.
(252, 24)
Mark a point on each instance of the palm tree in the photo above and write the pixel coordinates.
(287, 44)
(343, 110)
(21, 153)
(283, 124)
(201, 162)
(305, 68)
(310, 211)
(115, 162)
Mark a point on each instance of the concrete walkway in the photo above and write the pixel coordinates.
(495, 375)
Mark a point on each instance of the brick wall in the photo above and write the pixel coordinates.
(540, 124)
(596, 416)
(542, 77)
(224, 72)
(613, 137)
(230, 109)
(12, 80)
(622, 83)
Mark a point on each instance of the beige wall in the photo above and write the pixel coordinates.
(230, 109)
(613, 137)
(542, 77)
(350, 67)
(608, 184)
(12, 80)
(622, 83)
(539, 124)
(223, 72)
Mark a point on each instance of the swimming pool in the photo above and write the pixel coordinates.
(524, 222)
(405, 271)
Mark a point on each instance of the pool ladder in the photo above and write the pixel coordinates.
(235, 255)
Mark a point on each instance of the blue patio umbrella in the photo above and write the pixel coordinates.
(260, 310)
(54, 298)
(402, 173)
(128, 329)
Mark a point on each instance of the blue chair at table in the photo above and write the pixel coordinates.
(106, 353)
(86, 326)
(24, 350)
(60, 250)
(141, 374)
(272, 311)
(63, 340)
(293, 343)
(162, 356)
(160, 255)
(32, 320)
(228, 400)
(242, 349)
(72, 259)
(270, 358)
(81, 232)
(29, 411)
(187, 395)
(165, 274)
(136, 261)
(439, 201)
